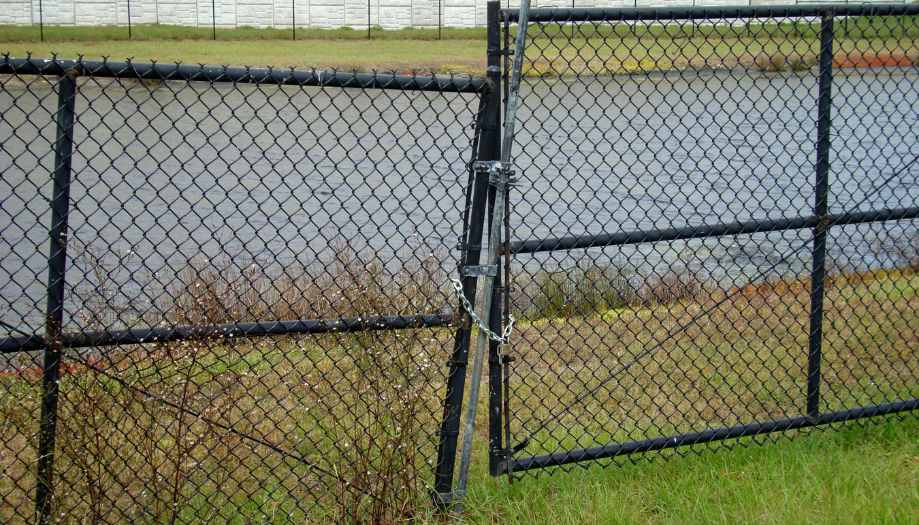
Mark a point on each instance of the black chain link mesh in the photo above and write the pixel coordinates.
(639, 139)
(256, 307)
(203, 212)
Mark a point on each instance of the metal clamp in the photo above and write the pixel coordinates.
(480, 270)
(500, 174)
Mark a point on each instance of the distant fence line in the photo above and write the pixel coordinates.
(389, 14)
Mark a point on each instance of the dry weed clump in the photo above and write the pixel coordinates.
(340, 425)
(581, 292)
(349, 286)
(777, 63)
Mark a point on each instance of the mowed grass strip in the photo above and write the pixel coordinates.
(552, 50)
(853, 475)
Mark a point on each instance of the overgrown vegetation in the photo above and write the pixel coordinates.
(579, 292)
(343, 427)
(337, 427)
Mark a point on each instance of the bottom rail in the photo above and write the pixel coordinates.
(739, 431)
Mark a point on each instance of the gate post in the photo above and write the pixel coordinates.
(54, 317)
(495, 448)
(821, 187)
(480, 213)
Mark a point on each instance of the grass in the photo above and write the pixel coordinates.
(859, 474)
(157, 434)
(715, 359)
(552, 52)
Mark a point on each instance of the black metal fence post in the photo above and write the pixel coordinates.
(213, 19)
(41, 22)
(57, 267)
(495, 383)
(489, 149)
(818, 270)
(496, 451)
(129, 20)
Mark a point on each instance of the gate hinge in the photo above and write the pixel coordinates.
(503, 467)
(492, 51)
(480, 270)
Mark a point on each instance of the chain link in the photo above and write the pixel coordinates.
(500, 339)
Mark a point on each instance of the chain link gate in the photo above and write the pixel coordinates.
(242, 310)
(715, 232)
(708, 230)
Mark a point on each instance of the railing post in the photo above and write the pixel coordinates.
(57, 268)
(41, 22)
(821, 186)
(489, 149)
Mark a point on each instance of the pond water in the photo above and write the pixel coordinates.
(177, 174)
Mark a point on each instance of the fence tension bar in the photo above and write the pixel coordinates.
(499, 175)
(57, 269)
(500, 178)
(489, 123)
(821, 185)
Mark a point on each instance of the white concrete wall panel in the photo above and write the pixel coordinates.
(15, 12)
(390, 14)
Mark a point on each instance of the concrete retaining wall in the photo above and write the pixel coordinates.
(390, 14)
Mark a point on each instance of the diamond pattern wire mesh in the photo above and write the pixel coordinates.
(256, 315)
(227, 208)
(637, 136)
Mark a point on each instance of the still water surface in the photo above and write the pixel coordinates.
(169, 175)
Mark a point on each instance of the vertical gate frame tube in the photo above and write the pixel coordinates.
(497, 57)
(501, 178)
(57, 270)
(488, 149)
(821, 186)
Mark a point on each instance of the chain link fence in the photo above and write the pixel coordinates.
(248, 310)
(238, 294)
(716, 233)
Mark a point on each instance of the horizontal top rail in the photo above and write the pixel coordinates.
(244, 75)
(599, 14)
(710, 230)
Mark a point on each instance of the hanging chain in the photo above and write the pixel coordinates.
(499, 338)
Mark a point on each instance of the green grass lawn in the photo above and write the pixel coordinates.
(598, 49)
(859, 474)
